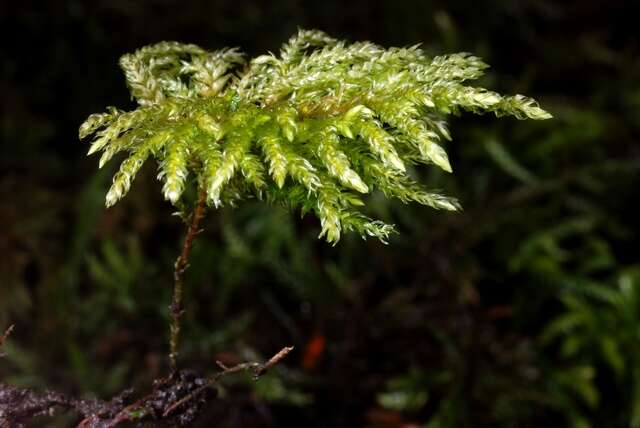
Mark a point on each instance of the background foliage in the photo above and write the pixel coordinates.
(521, 310)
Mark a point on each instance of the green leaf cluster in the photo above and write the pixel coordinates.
(314, 128)
(599, 327)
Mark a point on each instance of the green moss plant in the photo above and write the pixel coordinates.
(316, 128)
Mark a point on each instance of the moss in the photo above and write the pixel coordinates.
(332, 118)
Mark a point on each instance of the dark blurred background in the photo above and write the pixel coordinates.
(521, 311)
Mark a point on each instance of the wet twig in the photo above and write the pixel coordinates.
(4, 337)
(177, 400)
(18, 406)
(256, 368)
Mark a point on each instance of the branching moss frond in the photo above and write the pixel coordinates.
(315, 127)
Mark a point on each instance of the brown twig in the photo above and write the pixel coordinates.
(176, 400)
(4, 337)
(257, 369)
(162, 405)
(20, 405)
(181, 265)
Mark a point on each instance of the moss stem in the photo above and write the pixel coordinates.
(181, 265)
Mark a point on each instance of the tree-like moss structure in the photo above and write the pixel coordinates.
(314, 128)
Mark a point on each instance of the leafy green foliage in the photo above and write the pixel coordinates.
(405, 392)
(313, 128)
(600, 327)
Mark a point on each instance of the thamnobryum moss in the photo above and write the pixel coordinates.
(314, 128)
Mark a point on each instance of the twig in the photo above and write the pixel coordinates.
(181, 265)
(176, 400)
(256, 368)
(19, 405)
(161, 404)
(4, 337)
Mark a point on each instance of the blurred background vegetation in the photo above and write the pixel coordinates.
(521, 311)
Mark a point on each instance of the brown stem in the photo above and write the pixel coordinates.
(181, 265)
(257, 369)
(172, 398)
(4, 337)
